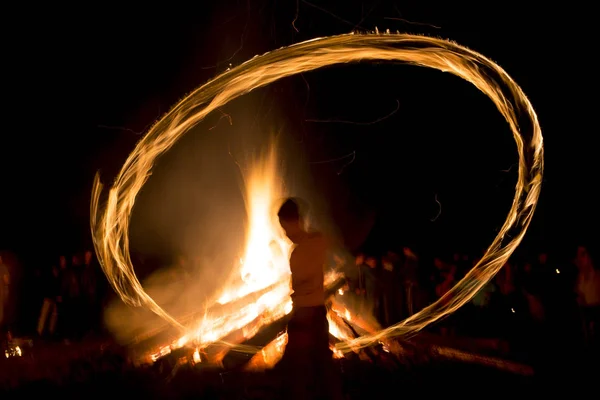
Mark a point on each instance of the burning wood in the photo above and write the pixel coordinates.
(217, 309)
(270, 322)
(260, 344)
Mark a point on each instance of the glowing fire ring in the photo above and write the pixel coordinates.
(110, 228)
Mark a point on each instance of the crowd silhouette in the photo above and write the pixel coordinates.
(528, 296)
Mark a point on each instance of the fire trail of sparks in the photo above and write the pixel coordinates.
(110, 227)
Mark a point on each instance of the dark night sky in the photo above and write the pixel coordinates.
(81, 85)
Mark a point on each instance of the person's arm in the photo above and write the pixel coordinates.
(577, 290)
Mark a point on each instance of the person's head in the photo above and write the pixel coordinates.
(360, 259)
(387, 263)
(75, 260)
(291, 220)
(392, 256)
(543, 258)
(583, 260)
(88, 257)
(62, 262)
(371, 262)
(580, 254)
(407, 251)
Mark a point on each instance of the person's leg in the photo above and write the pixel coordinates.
(296, 361)
(70, 319)
(592, 317)
(44, 312)
(328, 376)
(1, 319)
(387, 308)
(53, 319)
(408, 300)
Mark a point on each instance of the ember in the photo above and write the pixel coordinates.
(13, 352)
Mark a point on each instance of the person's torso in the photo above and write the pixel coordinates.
(306, 264)
(70, 284)
(389, 278)
(88, 279)
(4, 277)
(410, 270)
(51, 286)
(589, 289)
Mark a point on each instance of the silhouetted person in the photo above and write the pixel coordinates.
(4, 291)
(410, 281)
(371, 276)
(587, 289)
(49, 312)
(70, 312)
(307, 359)
(391, 293)
(89, 292)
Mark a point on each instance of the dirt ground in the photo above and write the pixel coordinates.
(97, 368)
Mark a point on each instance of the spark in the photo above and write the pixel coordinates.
(351, 155)
(332, 14)
(240, 47)
(110, 224)
(234, 158)
(121, 128)
(124, 129)
(399, 18)
(509, 168)
(341, 121)
(296, 16)
(223, 115)
(364, 16)
(307, 90)
(412, 23)
(439, 209)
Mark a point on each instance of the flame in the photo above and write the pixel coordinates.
(263, 273)
(337, 353)
(266, 258)
(269, 355)
(110, 227)
(196, 358)
(265, 264)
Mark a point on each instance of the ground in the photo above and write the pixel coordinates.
(100, 368)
